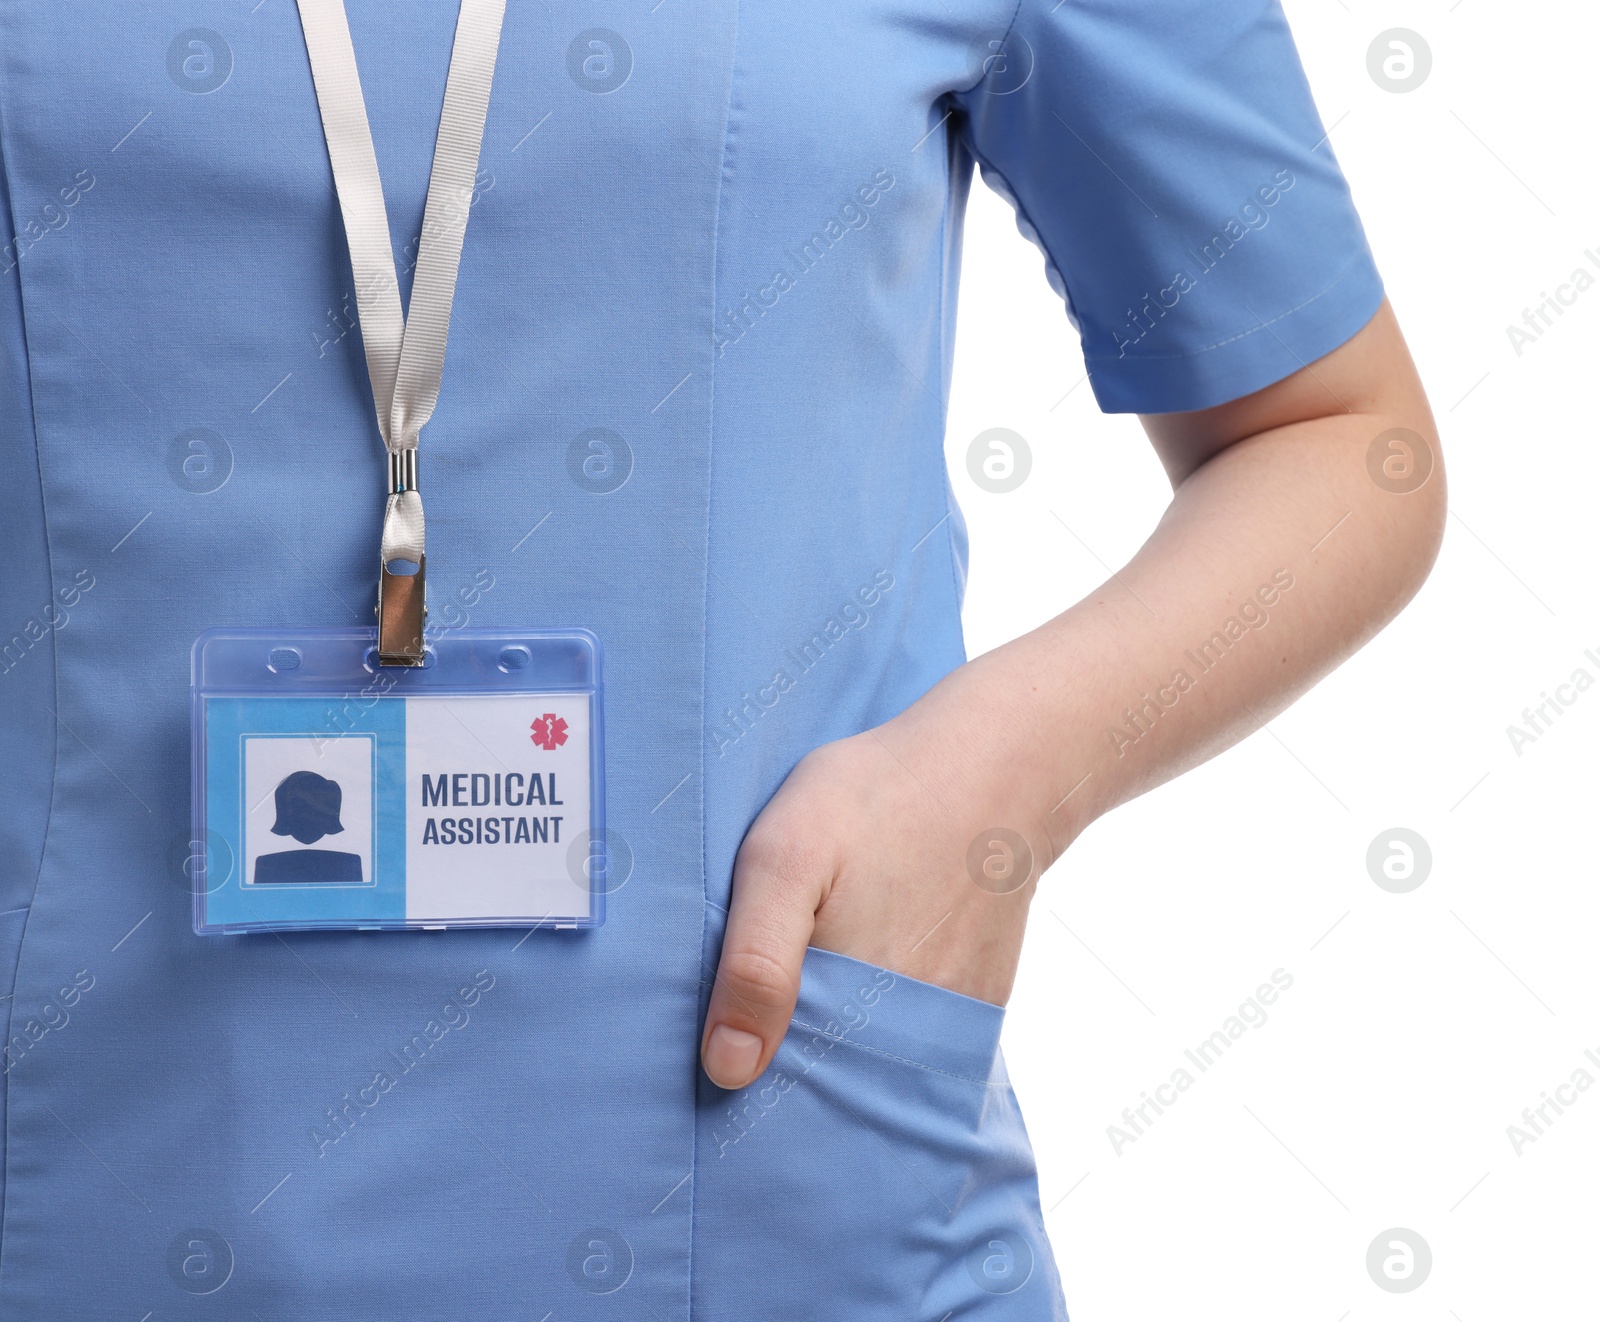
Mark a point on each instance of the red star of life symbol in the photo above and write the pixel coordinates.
(549, 731)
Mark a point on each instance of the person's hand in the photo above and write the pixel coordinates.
(914, 846)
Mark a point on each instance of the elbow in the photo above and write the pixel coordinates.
(1411, 502)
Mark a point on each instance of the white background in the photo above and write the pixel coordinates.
(1420, 1025)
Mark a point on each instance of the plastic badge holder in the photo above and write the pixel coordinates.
(332, 793)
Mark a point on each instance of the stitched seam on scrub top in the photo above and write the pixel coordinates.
(1345, 274)
(879, 1051)
(49, 559)
(705, 616)
(1016, 13)
(55, 694)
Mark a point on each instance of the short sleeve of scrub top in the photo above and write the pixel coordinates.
(721, 241)
(1170, 162)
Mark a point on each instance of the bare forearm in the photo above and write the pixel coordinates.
(1276, 560)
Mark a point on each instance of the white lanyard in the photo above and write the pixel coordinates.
(405, 353)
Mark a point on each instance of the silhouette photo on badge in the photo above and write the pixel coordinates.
(308, 809)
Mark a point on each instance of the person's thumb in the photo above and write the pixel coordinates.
(775, 898)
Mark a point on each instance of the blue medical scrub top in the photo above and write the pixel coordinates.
(726, 236)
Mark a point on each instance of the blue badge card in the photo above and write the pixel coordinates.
(331, 792)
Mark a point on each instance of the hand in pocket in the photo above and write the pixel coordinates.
(903, 847)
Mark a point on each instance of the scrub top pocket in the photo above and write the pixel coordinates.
(879, 1169)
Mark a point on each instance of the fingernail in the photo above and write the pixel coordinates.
(731, 1056)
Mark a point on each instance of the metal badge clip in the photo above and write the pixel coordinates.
(401, 612)
(402, 598)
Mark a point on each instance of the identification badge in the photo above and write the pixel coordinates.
(331, 792)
